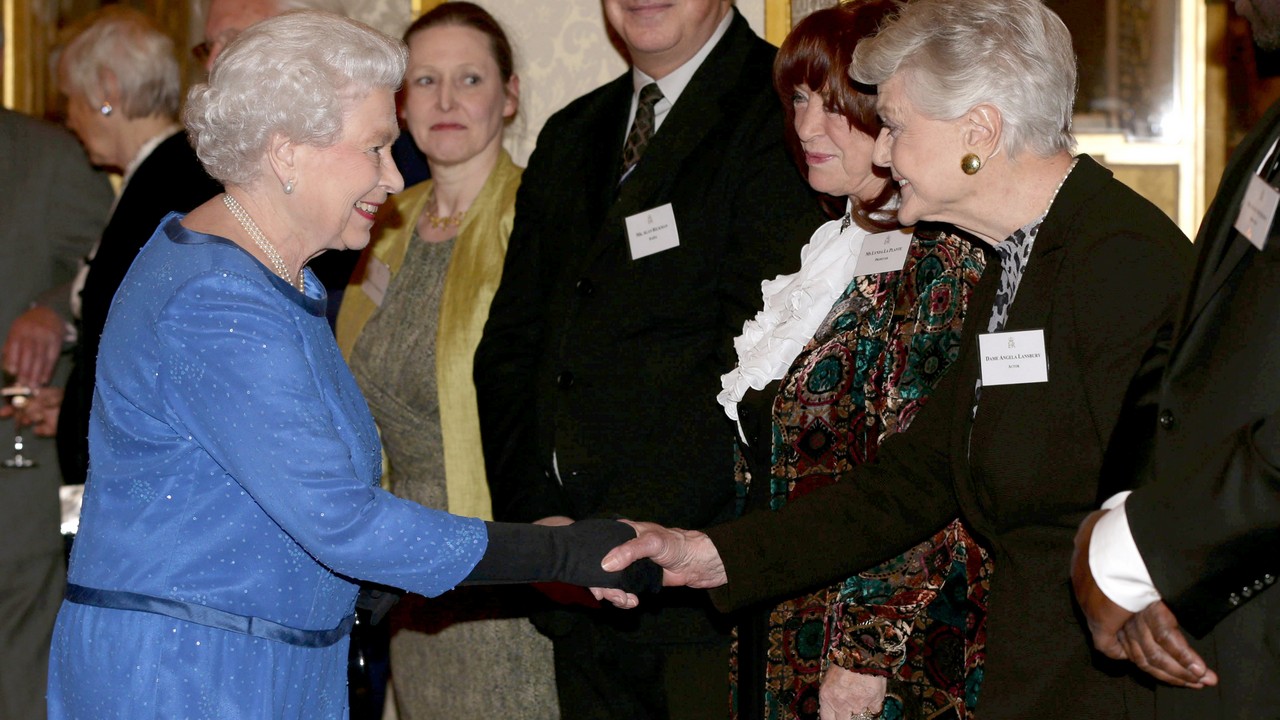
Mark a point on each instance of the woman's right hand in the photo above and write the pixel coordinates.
(843, 694)
(561, 593)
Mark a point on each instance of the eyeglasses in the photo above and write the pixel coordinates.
(202, 52)
(211, 48)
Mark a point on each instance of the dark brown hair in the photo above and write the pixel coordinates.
(816, 54)
(473, 16)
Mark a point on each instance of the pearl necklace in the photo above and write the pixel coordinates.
(437, 222)
(260, 240)
(1061, 182)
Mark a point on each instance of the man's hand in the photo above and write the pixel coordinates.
(1150, 638)
(688, 557)
(42, 411)
(33, 345)
(1104, 616)
(1155, 643)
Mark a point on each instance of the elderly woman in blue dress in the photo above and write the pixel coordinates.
(233, 497)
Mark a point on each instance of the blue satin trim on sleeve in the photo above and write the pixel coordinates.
(207, 616)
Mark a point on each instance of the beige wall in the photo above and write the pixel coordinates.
(561, 52)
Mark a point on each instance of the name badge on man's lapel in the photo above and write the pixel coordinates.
(652, 231)
(1013, 358)
(883, 252)
(1257, 210)
(377, 276)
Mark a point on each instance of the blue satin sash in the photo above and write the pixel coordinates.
(207, 616)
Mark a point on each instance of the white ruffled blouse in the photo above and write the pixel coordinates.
(794, 307)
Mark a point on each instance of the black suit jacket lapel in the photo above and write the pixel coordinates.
(602, 148)
(696, 113)
(1033, 309)
(1216, 263)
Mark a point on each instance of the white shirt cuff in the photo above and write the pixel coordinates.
(1117, 566)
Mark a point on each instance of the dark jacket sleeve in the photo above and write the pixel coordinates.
(1214, 536)
(874, 512)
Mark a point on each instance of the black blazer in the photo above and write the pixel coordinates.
(170, 179)
(1106, 274)
(614, 364)
(1207, 516)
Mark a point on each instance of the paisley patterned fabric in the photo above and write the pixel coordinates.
(916, 619)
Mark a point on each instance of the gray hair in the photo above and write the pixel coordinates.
(292, 75)
(1013, 54)
(127, 45)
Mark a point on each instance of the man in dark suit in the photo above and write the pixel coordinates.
(54, 206)
(644, 226)
(1195, 546)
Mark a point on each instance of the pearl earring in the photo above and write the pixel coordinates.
(288, 187)
(106, 108)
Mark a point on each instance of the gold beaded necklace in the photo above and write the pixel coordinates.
(437, 222)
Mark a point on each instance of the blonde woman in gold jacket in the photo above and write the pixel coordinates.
(409, 325)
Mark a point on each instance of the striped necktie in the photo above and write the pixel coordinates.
(642, 128)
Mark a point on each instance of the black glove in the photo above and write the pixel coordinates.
(520, 553)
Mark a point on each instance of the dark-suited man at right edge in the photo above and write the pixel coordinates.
(1196, 546)
(649, 214)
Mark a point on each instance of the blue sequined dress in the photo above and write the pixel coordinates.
(234, 470)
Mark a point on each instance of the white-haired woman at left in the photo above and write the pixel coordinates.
(233, 501)
(120, 78)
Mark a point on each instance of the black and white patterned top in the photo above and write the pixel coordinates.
(1014, 253)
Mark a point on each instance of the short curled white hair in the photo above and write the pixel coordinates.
(124, 44)
(294, 75)
(955, 54)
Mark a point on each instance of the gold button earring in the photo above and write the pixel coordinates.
(970, 164)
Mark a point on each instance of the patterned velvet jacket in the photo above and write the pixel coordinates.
(871, 365)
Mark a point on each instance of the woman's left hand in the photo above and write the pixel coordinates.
(844, 694)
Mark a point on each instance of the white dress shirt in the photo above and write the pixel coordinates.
(1114, 560)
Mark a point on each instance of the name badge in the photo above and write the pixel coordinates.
(883, 252)
(1013, 358)
(1257, 210)
(377, 276)
(652, 231)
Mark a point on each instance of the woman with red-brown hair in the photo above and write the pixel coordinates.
(845, 352)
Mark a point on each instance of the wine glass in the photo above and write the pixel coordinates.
(18, 395)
